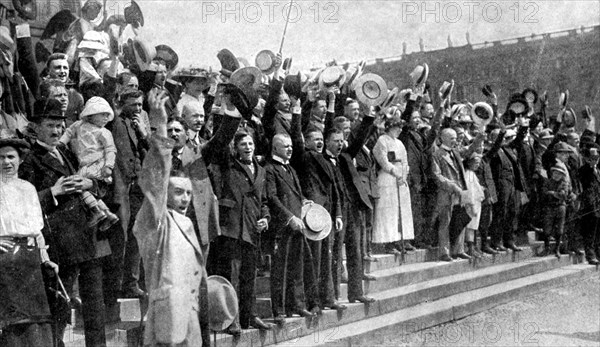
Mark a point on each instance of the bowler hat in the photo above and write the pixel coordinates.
(168, 55)
(265, 60)
(229, 63)
(420, 74)
(371, 89)
(317, 221)
(133, 15)
(47, 108)
(292, 85)
(222, 303)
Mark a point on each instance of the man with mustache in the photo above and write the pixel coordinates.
(52, 168)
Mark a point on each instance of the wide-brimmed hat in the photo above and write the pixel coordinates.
(332, 76)
(371, 89)
(190, 72)
(133, 15)
(265, 60)
(317, 221)
(222, 303)
(229, 62)
(456, 110)
(246, 76)
(144, 53)
(168, 55)
(9, 138)
(569, 118)
(96, 105)
(530, 95)
(563, 99)
(49, 108)
(420, 74)
(446, 89)
(482, 114)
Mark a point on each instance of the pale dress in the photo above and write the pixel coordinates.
(475, 196)
(394, 198)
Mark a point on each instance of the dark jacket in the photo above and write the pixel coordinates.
(66, 232)
(590, 196)
(131, 148)
(284, 194)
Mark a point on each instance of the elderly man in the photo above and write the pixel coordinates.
(58, 67)
(173, 259)
(52, 168)
(449, 175)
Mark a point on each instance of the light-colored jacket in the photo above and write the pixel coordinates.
(449, 177)
(171, 254)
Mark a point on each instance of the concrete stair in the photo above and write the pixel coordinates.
(412, 295)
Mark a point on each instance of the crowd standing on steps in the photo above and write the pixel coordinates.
(133, 178)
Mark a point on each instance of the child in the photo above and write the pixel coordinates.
(95, 149)
(557, 193)
(476, 196)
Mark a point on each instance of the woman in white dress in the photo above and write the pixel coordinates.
(393, 214)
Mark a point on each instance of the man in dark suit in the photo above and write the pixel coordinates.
(449, 176)
(590, 203)
(292, 256)
(320, 184)
(52, 168)
(130, 136)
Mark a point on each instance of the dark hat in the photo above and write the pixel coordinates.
(569, 118)
(58, 23)
(587, 112)
(265, 61)
(487, 90)
(530, 95)
(134, 15)
(518, 104)
(591, 150)
(9, 138)
(26, 9)
(49, 108)
(246, 76)
(287, 63)
(292, 85)
(317, 221)
(562, 147)
(482, 114)
(168, 55)
(243, 97)
(229, 62)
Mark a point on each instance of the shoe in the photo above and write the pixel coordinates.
(489, 250)
(133, 293)
(369, 277)
(445, 257)
(236, 332)
(593, 261)
(464, 256)
(336, 306)
(500, 248)
(97, 217)
(513, 247)
(259, 324)
(279, 319)
(301, 313)
(110, 220)
(408, 246)
(363, 299)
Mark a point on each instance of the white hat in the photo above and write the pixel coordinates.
(96, 105)
(95, 40)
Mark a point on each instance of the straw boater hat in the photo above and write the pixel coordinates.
(371, 89)
(317, 220)
(265, 61)
(446, 89)
(96, 105)
(389, 100)
(563, 99)
(188, 73)
(353, 73)
(332, 76)
(420, 74)
(222, 303)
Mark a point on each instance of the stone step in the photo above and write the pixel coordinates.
(398, 298)
(372, 331)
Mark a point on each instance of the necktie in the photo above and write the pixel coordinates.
(56, 154)
(176, 162)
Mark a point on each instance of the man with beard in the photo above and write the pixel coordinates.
(52, 168)
(58, 67)
(130, 137)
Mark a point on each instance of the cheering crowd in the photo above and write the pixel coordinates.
(137, 179)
